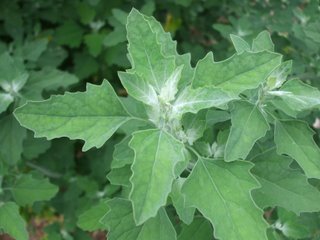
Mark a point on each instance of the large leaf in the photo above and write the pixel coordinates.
(11, 222)
(236, 74)
(92, 116)
(90, 220)
(248, 125)
(121, 225)
(11, 139)
(294, 138)
(283, 186)
(145, 52)
(156, 155)
(221, 192)
(28, 190)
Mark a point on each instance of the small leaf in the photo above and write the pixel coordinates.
(11, 222)
(28, 190)
(239, 44)
(248, 125)
(122, 154)
(299, 96)
(193, 100)
(90, 220)
(32, 50)
(279, 75)
(5, 100)
(170, 88)
(156, 155)
(200, 229)
(13, 75)
(92, 116)
(70, 34)
(221, 192)
(283, 186)
(294, 138)
(121, 225)
(185, 213)
(236, 74)
(120, 176)
(263, 42)
(11, 139)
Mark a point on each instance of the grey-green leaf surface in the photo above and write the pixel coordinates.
(28, 190)
(248, 125)
(185, 213)
(11, 139)
(263, 42)
(226, 201)
(13, 75)
(92, 116)
(156, 155)
(11, 222)
(282, 186)
(122, 154)
(294, 138)
(193, 100)
(90, 220)
(47, 79)
(279, 75)
(121, 225)
(120, 176)
(5, 100)
(300, 96)
(239, 44)
(237, 73)
(145, 52)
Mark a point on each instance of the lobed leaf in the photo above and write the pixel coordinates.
(92, 116)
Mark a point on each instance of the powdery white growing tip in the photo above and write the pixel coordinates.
(170, 88)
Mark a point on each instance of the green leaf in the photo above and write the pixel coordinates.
(70, 34)
(239, 44)
(221, 192)
(294, 138)
(92, 116)
(94, 42)
(120, 176)
(5, 100)
(121, 224)
(33, 147)
(298, 95)
(90, 220)
(193, 100)
(156, 155)
(32, 50)
(47, 79)
(185, 213)
(11, 139)
(248, 125)
(11, 222)
(279, 75)
(194, 125)
(200, 229)
(122, 154)
(283, 186)
(263, 42)
(28, 190)
(13, 75)
(146, 56)
(236, 74)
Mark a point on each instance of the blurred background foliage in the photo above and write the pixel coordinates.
(60, 45)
